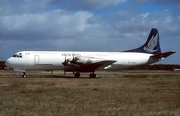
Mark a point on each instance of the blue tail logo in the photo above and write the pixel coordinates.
(152, 44)
(150, 47)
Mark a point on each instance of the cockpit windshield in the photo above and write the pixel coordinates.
(18, 55)
(15, 55)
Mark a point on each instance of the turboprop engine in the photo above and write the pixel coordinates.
(80, 61)
(85, 60)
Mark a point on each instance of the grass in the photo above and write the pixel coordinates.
(127, 94)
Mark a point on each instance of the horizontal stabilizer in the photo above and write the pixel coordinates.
(163, 55)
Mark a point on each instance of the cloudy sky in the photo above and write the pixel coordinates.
(88, 25)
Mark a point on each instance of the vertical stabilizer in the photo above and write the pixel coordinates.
(152, 45)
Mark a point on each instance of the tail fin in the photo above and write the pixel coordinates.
(151, 46)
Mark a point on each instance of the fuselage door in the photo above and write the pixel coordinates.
(36, 59)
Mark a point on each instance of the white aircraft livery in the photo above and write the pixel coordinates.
(77, 62)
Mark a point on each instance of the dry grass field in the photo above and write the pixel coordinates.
(118, 94)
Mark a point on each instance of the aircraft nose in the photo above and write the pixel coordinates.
(8, 62)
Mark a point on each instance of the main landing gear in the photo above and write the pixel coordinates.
(92, 75)
(24, 75)
(77, 74)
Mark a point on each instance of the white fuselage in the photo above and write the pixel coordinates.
(52, 60)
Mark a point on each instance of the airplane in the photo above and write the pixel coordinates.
(78, 61)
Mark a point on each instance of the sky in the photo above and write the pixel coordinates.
(88, 25)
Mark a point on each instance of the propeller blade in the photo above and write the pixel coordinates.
(73, 61)
(64, 63)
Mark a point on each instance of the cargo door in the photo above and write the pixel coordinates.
(36, 59)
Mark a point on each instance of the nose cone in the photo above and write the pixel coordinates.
(9, 63)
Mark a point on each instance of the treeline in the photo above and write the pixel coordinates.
(2, 65)
(149, 67)
(158, 67)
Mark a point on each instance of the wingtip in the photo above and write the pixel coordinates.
(173, 52)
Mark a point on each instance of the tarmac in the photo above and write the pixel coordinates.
(100, 74)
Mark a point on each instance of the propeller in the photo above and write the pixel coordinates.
(65, 64)
(73, 61)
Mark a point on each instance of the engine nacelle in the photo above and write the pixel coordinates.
(86, 60)
(67, 62)
(80, 61)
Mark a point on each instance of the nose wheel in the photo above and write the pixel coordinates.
(24, 75)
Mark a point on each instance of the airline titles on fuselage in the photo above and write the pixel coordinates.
(86, 55)
(70, 54)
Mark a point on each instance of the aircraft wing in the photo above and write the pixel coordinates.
(163, 55)
(105, 63)
(86, 64)
(93, 66)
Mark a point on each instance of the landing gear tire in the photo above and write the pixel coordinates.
(24, 75)
(92, 75)
(77, 74)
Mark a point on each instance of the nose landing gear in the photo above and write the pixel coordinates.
(24, 75)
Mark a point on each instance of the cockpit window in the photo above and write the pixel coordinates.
(18, 56)
(15, 55)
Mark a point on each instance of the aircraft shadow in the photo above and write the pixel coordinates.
(68, 77)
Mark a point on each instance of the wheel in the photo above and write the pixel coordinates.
(92, 76)
(24, 75)
(77, 75)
